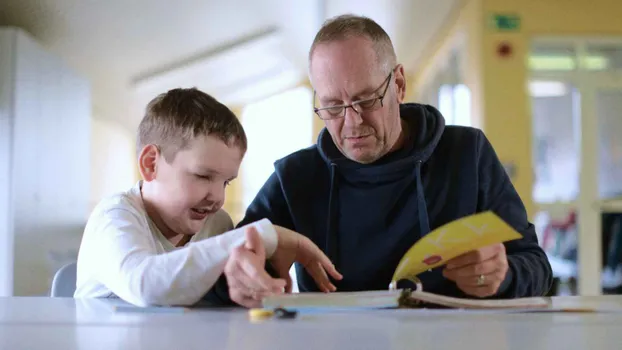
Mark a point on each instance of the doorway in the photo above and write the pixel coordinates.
(575, 88)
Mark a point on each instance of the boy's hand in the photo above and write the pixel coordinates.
(247, 278)
(292, 247)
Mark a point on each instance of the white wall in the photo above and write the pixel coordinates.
(113, 159)
(50, 167)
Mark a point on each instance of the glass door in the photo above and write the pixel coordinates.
(576, 98)
(608, 113)
(555, 152)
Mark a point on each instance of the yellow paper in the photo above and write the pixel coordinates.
(451, 240)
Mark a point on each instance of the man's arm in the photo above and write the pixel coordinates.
(269, 204)
(131, 268)
(529, 272)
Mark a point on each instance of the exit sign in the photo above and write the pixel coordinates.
(505, 22)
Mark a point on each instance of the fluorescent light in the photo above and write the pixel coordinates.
(567, 63)
(595, 63)
(540, 88)
(552, 63)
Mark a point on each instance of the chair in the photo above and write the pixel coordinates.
(64, 282)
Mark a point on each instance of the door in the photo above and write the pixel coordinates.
(576, 98)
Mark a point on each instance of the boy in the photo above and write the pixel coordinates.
(166, 240)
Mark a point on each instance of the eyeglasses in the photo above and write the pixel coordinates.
(367, 105)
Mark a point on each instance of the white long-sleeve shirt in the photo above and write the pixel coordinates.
(123, 254)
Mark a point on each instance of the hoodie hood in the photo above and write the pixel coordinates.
(425, 128)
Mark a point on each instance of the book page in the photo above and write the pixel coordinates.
(337, 300)
(451, 240)
(519, 303)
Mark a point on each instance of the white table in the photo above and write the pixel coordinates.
(57, 323)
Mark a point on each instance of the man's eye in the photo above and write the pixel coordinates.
(334, 110)
(368, 103)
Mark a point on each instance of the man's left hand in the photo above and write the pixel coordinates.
(480, 272)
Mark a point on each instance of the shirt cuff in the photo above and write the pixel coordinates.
(266, 231)
(268, 234)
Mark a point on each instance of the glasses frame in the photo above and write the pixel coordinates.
(352, 105)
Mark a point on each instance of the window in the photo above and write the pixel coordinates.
(454, 103)
(275, 127)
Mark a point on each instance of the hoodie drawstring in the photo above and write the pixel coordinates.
(331, 244)
(424, 224)
(331, 226)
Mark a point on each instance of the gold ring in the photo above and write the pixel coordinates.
(480, 280)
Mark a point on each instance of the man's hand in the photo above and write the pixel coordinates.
(247, 278)
(480, 272)
(292, 247)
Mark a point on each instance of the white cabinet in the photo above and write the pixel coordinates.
(45, 116)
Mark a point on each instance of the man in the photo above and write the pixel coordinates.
(384, 173)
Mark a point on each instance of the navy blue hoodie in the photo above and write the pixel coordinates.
(365, 217)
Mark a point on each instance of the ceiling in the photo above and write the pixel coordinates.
(237, 50)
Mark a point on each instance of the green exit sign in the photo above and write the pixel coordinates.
(505, 22)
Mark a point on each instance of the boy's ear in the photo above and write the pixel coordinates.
(147, 160)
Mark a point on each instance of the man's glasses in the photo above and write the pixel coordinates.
(367, 105)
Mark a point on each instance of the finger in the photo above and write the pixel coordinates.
(250, 293)
(470, 272)
(329, 267)
(317, 254)
(256, 277)
(241, 299)
(481, 291)
(474, 256)
(472, 281)
(245, 269)
(288, 283)
(489, 287)
(317, 272)
(254, 242)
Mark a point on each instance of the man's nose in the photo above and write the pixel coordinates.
(352, 116)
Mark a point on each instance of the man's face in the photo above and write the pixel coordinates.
(191, 188)
(346, 71)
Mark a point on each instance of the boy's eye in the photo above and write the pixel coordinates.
(204, 177)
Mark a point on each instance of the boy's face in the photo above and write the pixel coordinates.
(191, 188)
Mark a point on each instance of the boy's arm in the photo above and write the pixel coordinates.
(268, 204)
(132, 270)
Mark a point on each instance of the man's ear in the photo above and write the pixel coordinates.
(400, 82)
(147, 162)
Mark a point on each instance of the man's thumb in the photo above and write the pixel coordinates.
(254, 242)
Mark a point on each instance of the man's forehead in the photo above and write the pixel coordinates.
(341, 66)
(332, 58)
(352, 82)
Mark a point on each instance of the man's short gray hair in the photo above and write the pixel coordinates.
(349, 26)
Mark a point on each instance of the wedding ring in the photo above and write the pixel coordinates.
(480, 280)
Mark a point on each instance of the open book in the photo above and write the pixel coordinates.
(433, 250)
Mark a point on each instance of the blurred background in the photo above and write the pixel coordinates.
(542, 78)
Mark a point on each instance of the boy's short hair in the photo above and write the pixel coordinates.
(176, 117)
